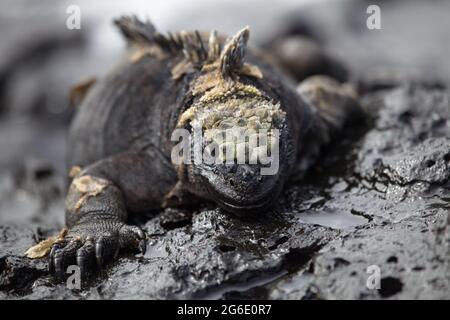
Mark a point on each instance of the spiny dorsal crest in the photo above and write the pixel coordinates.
(142, 33)
(229, 61)
(232, 56)
(193, 48)
(213, 47)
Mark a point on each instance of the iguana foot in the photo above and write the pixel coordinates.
(91, 244)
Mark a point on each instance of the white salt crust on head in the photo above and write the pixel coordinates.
(225, 121)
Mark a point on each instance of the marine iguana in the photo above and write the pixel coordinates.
(121, 135)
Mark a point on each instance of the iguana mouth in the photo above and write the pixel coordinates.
(247, 207)
(239, 207)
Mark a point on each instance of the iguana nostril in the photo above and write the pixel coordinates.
(231, 168)
(260, 179)
(245, 171)
(231, 181)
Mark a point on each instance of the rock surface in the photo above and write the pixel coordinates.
(374, 199)
(378, 198)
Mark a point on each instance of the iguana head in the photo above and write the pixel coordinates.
(239, 140)
(237, 129)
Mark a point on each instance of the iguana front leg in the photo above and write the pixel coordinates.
(97, 206)
(333, 106)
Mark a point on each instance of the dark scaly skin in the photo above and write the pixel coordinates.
(120, 138)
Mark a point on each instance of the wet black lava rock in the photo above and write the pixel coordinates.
(380, 196)
(377, 198)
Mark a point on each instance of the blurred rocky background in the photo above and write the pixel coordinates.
(379, 196)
